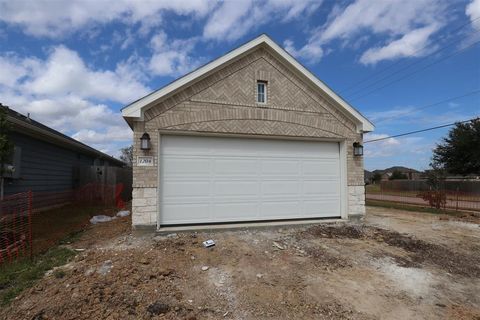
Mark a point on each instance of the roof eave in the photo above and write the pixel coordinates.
(61, 140)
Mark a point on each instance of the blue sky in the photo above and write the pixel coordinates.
(74, 64)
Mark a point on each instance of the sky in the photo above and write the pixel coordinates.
(404, 64)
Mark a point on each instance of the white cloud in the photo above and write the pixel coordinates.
(172, 57)
(394, 17)
(383, 148)
(109, 140)
(64, 72)
(233, 19)
(225, 22)
(94, 124)
(311, 51)
(407, 25)
(66, 113)
(392, 113)
(11, 71)
(116, 133)
(57, 18)
(393, 146)
(413, 44)
(473, 12)
(62, 92)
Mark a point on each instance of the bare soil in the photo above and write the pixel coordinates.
(395, 265)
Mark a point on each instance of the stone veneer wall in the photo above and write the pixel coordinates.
(356, 200)
(224, 102)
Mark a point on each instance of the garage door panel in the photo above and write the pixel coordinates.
(321, 188)
(239, 188)
(185, 166)
(280, 187)
(310, 208)
(234, 211)
(279, 167)
(210, 179)
(321, 167)
(186, 189)
(280, 210)
(186, 213)
(235, 167)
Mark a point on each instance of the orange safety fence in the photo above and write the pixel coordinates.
(33, 222)
(15, 227)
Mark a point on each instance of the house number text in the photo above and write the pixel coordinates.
(145, 161)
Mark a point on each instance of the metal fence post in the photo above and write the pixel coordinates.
(456, 208)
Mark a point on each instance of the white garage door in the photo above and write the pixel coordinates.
(209, 179)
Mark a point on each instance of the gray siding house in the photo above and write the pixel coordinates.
(46, 160)
(251, 136)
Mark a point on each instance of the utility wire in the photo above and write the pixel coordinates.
(361, 89)
(416, 71)
(418, 131)
(428, 106)
(373, 75)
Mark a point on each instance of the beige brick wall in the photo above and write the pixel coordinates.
(224, 102)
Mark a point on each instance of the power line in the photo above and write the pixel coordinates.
(418, 131)
(373, 75)
(428, 106)
(359, 90)
(416, 71)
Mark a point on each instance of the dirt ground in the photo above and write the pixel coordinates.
(394, 265)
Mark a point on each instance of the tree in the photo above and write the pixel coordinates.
(127, 155)
(397, 175)
(459, 152)
(377, 177)
(6, 147)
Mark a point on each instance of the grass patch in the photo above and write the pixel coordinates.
(406, 207)
(373, 188)
(22, 274)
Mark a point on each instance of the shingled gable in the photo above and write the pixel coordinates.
(135, 111)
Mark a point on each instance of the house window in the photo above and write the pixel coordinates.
(261, 92)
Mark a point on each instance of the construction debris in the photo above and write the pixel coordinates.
(123, 213)
(101, 218)
(208, 243)
(277, 245)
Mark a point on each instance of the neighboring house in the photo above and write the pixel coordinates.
(411, 174)
(250, 136)
(46, 160)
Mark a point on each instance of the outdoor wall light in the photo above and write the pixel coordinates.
(145, 142)
(357, 149)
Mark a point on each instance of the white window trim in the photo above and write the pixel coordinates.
(264, 92)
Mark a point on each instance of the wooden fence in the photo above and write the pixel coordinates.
(470, 187)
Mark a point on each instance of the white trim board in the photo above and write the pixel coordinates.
(135, 110)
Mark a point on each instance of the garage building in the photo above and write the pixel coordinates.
(250, 136)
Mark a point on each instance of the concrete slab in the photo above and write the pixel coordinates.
(236, 226)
